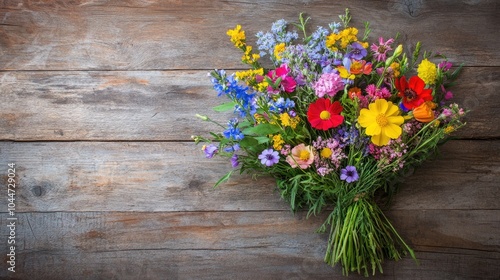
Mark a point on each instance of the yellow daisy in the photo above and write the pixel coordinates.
(382, 121)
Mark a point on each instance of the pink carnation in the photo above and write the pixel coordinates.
(328, 83)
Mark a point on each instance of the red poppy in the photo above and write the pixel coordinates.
(413, 92)
(323, 114)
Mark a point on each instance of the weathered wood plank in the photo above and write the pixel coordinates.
(239, 245)
(160, 105)
(130, 176)
(140, 35)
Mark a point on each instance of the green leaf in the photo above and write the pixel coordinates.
(261, 139)
(248, 142)
(225, 106)
(223, 179)
(262, 129)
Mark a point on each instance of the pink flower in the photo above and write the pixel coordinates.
(286, 84)
(375, 93)
(380, 51)
(302, 156)
(328, 83)
(447, 94)
(445, 66)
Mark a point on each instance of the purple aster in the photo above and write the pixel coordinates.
(349, 174)
(357, 51)
(269, 157)
(210, 150)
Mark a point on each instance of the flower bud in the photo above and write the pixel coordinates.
(398, 51)
(205, 118)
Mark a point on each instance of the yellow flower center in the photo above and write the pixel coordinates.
(304, 155)
(326, 152)
(382, 120)
(325, 115)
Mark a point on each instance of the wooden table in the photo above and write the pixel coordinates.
(97, 110)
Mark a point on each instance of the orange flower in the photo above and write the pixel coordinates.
(424, 113)
(360, 67)
(354, 92)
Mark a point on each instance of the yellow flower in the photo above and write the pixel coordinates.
(382, 121)
(343, 38)
(278, 142)
(326, 152)
(237, 36)
(285, 119)
(248, 57)
(449, 129)
(345, 74)
(395, 69)
(427, 71)
(262, 86)
(249, 76)
(278, 49)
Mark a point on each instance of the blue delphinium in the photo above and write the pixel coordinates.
(281, 105)
(232, 131)
(241, 95)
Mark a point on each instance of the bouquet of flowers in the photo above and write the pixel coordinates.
(335, 121)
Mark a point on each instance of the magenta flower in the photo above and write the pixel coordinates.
(447, 94)
(380, 51)
(445, 66)
(328, 83)
(349, 174)
(269, 157)
(286, 84)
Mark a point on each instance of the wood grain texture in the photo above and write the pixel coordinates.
(160, 105)
(97, 110)
(93, 176)
(239, 245)
(158, 35)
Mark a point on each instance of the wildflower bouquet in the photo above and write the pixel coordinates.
(335, 121)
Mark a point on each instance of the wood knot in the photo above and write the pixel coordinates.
(38, 190)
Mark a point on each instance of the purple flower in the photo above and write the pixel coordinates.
(210, 150)
(357, 51)
(269, 157)
(445, 65)
(349, 174)
(234, 160)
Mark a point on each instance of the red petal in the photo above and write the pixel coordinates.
(336, 120)
(335, 108)
(417, 84)
(401, 84)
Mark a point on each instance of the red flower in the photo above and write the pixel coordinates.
(323, 115)
(413, 92)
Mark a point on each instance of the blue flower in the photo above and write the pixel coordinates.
(210, 150)
(281, 105)
(269, 157)
(234, 160)
(356, 51)
(349, 174)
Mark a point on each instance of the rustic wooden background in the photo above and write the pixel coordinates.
(97, 108)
